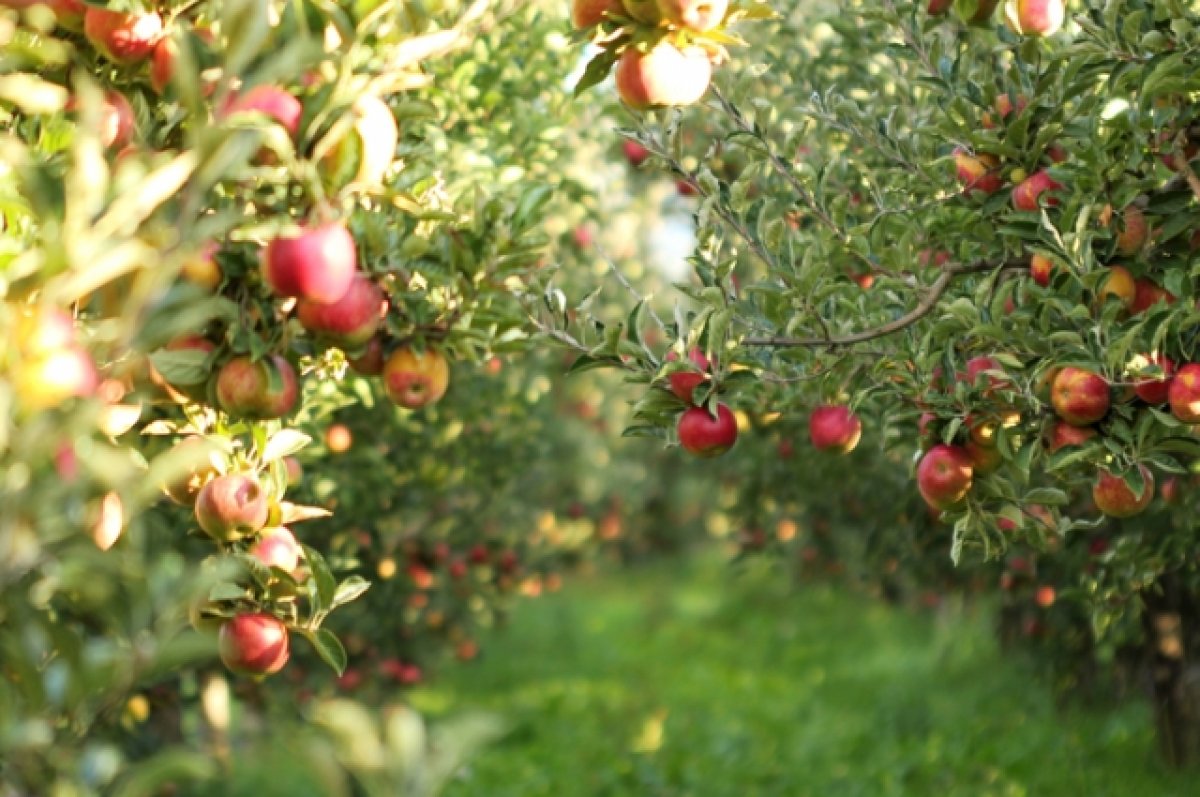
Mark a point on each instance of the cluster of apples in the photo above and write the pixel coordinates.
(700, 431)
(1023, 17)
(664, 60)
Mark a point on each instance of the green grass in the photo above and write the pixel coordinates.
(688, 679)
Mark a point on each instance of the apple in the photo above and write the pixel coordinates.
(1184, 393)
(1080, 397)
(277, 547)
(231, 507)
(270, 100)
(664, 76)
(1063, 434)
(695, 15)
(684, 383)
(162, 63)
(586, 13)
(686, 187)
(635, 153)
(1025, 195)
(1134, 232)
(315, 263)
(202, 269)
(350, 322)
(117, 121)
(643, 11)
(259, 390)
(414, 379)
(705, 435)
(985, 459)
(1035, 17)
(833, 427)
(124, 38)
(938, 259)
(364, 154)
(67, 13)
(44, 330)
(979, 366)
(1147, 294)
(253, 644)
(977, 172)
(944, 476)
(1044, 596)
(1149, 389)
(186, 488)
(1120, 285)
(338, 438)
(1041, 268)
(1004, 106)
(938, 7)
(49, 379)
(370, 362)
(1113, 497)
(1169, 490)
(295, 471)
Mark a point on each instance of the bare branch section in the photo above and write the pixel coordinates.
(936, 290)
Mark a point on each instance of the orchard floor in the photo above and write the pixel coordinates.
(689, 679)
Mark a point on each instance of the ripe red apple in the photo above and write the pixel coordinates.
(315, 263)
(1041, 268)
(1119, 285)
(67, 13)
(1114, 498)
(370, 362)
(979, 172)
(586, 13)
(1044, 597)
(686, 187)
(253, 644)
(124, 38)
(696, 15)
(1149, 389)
(945, 475)
(1004, 106)
(350, 322)
(338, 438)
(365, 153)
(269, 100)
(1080, 397)
(1035, 17)
(1134, 231)
(1184, 393)
(705, 436)
(1025, 195)
(277, 547)
(979, 366)
(664, 76)
(259, 390)
(1064, 434)
(1147, 294)
(684, 383)
(414, 380)
(833, 427)
(635, 153)
(117, 121)
(231, 507)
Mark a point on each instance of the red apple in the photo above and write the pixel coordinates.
(586, 13)
(936, 8)
(259, 390)
(1147, 294)
(253, 644)
(124, 38)
(664, 76)
(1169, 490)
(414, 380)
(1120, 285)
(705, 436)
(984, 459)
(635, 153)
(1044, 597)
(316, 263)
(295, 471)
(684, 383)
(833, 427)
(1004, 106)
(1041, 268)
(980, 366)
(1025, 195)
(1149, 389)
(1080, 397)
(1063, 435)
(269, 100)
(1134, 232)
(277, 547)
(370, 362)
(945, 475)
(350, 322)
(1184, 393)
(231, 507)
(979, 172)
(1035, 17)
(696, 15)
(1114, 498)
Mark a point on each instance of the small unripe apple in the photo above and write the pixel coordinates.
(833, 427)
(1041, 268)
(202, 269)
(1184, 393)
(277, 547)
(586, 13)
(664, 76)
(1080, 397)
(259, 390)
(350, 322)
(253, 644)
(1114, 498)
(978, 173)
(1035, 17)
(1025, 195)
(684, 383)
(315, 263)
(231, 507)
(1150, 389)
(124, 38)
(945, 475)
(705, 436)
(414, 380)
(696, 15)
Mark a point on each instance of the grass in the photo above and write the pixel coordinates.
(687, 679)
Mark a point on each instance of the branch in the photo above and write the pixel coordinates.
(923, 308)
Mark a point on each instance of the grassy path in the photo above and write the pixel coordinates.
(689, 680)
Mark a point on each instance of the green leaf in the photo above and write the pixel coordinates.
(328, 647)
(284, 443)
(350, 589)
(325, 584)
(183, 367)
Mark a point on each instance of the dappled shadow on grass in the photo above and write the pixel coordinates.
(691, 679)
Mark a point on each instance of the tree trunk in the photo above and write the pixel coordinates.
(1169, 620)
